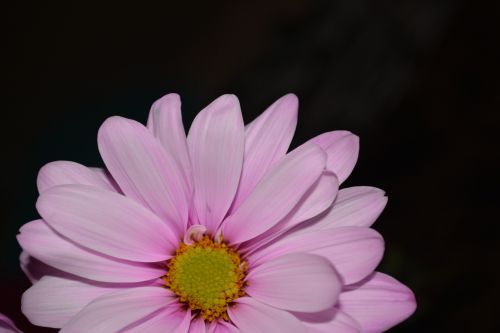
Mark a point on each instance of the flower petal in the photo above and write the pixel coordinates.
(165, 122)
(222, 327)
(355, 206)
(173, 319)
(250, 316)
(107, 222)
(66, 172)
(267, 139)
(319, 198)
(378, 303)
(354, 252)
(331, 320)
(198, 326)
(7, 325)
(276, 195)
(297, 282)
(325, 140)
(35, 269)
(144, 171)
(216, 142)
(53, 301)
(342, 156)
(40, 241)
(108, 179)
(115, 311)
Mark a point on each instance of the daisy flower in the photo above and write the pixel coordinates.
(7, 326)
(219, 231)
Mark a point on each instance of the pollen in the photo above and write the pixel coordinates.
(207, 276)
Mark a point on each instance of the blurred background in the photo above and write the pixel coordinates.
(416, 80)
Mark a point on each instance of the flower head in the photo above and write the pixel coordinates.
(219, 231)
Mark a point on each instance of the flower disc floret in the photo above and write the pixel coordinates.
(207, 276)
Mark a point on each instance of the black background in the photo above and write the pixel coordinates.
(416, 80)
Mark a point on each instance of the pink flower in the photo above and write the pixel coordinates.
(7, 326)
(219, 232)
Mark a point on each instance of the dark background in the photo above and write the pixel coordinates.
(416, 80)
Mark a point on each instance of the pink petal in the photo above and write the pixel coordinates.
(65, 172)
(108, 179)
(222, 327)
(116, 311)
(318, 199)
(173, 319)
(107, 222)
(279, 191)
(165, 122)
(250, 316)
(355, 206)
(144, 171)
(331, 320)
(267, 139)
(35, 269)
(53, 301)
(325, 140)
(40, 241)
(354, 252)
(7, 326)
(378, 303)
(216, 142)
(198, 326)
(342, 156)
(297, 282)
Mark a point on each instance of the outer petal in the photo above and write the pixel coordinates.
(355, 206)
(378, 303)
(216, 142)
(331, 320)
(107, 222)
(144, 171)
(354, 252)
(107, 178)
(252, 316)
(267, 139)
(318, 199)
(297, 282)
(35, 269)
(118, 310)
(173, 319)
(198, 326)
(342, 156)
(325, 140)
(53, 301)
(222, 327)
(38, 239)
(276, 195)
(165, 121)
(66, 172)
(7, 326)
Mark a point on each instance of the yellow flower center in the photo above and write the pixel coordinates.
(207, 276)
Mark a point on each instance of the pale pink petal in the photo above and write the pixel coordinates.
(172, 319)
(297, 282)
(7, 325)
(107, 222)
(198, 326)
(318, 199)
(107, 178)
(115, 311)
(355, 206)
(144, 171)
(331, 320)
(378, 303)
(165, 121)
(250, 316)
(342, 156)
(52, 301)
(222, 326)
(354, 252)
(35, 269)
(40, 241)
(216, 142)
(267, 139)
(279, 191)
(325, 140)
(66, 172)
